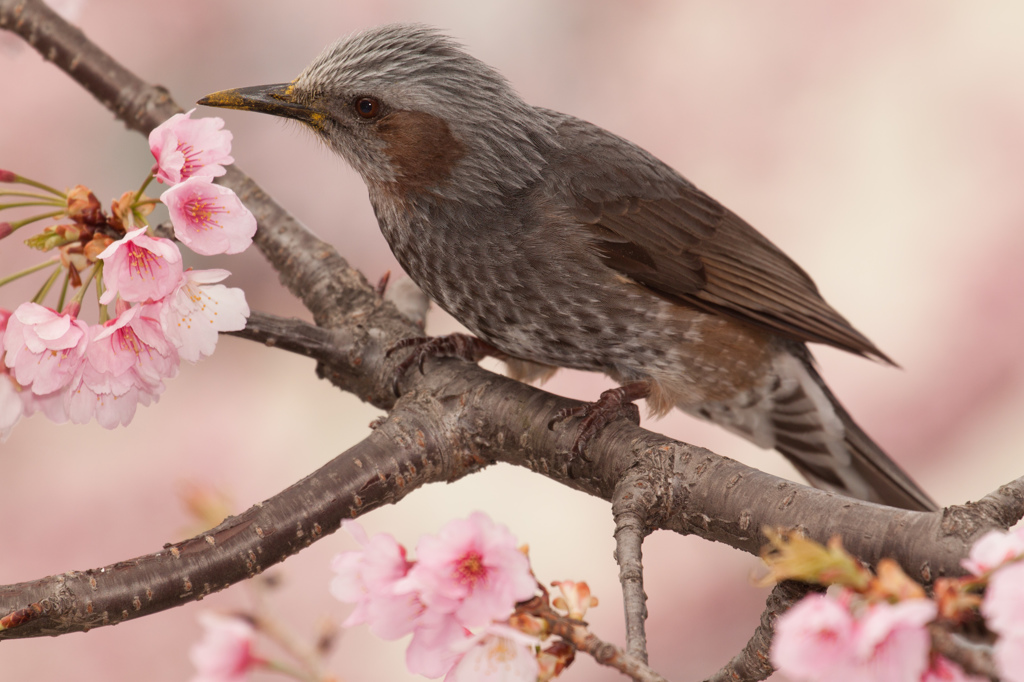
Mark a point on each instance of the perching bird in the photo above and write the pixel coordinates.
(563, 245)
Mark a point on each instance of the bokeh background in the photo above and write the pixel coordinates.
(879, 143)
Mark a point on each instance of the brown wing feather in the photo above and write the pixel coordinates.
(650, 224)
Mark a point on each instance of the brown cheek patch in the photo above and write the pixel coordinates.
(422, 149)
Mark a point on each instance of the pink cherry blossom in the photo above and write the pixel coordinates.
(499, 654)
(892, 643)
(132, 342)
(367, 578)
(944, 670)
(820, 640)
(127, 361)
(44, 349)
(225, 652)
(992, 549)
(185, 148)
(193, 314)
(813, 639)
(471, 569)
(140, 268)
(1003, 609)
(208, 218)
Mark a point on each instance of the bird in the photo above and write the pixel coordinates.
(559, 244)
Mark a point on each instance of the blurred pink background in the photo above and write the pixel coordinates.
(879, 143)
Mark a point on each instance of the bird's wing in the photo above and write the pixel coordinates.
(649, 223)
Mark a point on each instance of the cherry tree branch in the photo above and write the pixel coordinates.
(751, 663)
(974, 659)
(582, 639)
(630, 504)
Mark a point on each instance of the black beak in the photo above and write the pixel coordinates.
(276, 100)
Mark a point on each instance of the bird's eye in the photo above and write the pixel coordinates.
(367, 107)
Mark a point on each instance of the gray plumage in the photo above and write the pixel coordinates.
(564, 245)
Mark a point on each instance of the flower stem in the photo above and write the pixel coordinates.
(19, 204)
(290, 671)
(21, 179)
(64, 288)
(80, 294)
(138, 195)
(31, 219)
(98, 272)
(31, 195)
(28, 271)
(45, 289)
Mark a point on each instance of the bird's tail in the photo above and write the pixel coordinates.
(799, 417)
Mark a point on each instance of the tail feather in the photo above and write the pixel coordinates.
(798, 416)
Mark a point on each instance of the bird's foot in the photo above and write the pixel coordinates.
(612, 404)
(462, 346)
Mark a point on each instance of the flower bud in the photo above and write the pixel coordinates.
(575, 598)
(83, 206)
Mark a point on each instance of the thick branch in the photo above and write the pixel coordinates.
(362, 478)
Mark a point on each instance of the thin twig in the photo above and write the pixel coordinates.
(752, 663)
(577, 634)
(975, 659)
(631, 505)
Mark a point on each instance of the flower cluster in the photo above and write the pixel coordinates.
(467, 577)
(54, 362)
(875, 629)
(842, 640)
(458, 600)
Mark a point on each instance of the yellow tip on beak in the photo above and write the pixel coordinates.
(267, 99)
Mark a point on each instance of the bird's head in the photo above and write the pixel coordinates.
(408, 108)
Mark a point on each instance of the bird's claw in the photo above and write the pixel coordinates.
(612, 404)
(462, 346)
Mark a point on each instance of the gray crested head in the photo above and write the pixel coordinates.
(405, 104)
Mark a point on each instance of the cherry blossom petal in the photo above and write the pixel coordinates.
(140, 268)
(497, 656)
(225, 652)
(892, 643)
(1003, 606)
(1009, 657)
(993, 549)
(434, 648)
(11, 408)
(367, 577)
(185, 148)
(110, 410)
(199, 309)
(208, 218)
(813, 639)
